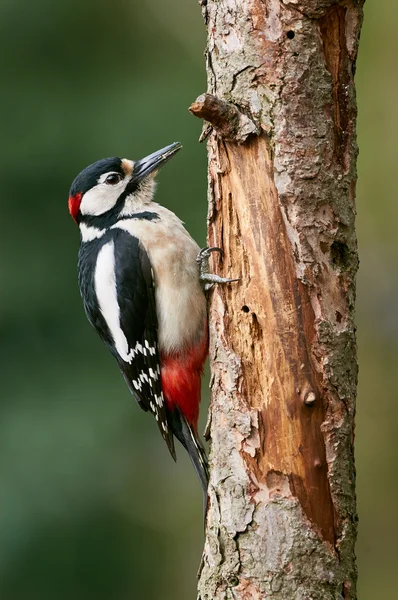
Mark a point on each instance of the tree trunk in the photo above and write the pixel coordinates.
(282, 518)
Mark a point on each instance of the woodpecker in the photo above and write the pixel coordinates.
(142, 279)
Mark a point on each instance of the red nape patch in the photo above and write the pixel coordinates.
(74, 205)
(181, 379)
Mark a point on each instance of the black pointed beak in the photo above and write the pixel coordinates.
(146, 166)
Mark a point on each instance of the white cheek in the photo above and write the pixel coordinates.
(101, 198)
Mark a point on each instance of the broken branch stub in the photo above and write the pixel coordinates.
(227, 121)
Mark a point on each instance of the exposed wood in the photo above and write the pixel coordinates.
(282, 516)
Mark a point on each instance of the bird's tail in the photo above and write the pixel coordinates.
(188, 437)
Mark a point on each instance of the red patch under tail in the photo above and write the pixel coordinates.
(181, 380)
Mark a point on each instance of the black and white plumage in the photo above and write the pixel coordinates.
(116, 285)
(140, 284)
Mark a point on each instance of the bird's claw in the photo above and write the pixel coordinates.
(205, 253)
(209, 279)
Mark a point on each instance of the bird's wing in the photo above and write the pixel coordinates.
(135, 287)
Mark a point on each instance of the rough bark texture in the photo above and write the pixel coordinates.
(282, 517)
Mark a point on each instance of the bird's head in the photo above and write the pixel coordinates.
(113, 187)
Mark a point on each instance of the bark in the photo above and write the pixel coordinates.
(282, 518)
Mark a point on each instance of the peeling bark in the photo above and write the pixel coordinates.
(282, 515)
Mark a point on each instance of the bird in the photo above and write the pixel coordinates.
(143, 281)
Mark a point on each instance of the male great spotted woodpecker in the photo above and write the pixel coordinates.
(142, 280)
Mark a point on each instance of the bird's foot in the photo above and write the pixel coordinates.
(209, 279)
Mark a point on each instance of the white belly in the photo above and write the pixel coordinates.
(180, 301)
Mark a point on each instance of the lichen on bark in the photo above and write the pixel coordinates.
(282, 518)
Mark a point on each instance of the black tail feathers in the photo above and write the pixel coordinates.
(188, 438)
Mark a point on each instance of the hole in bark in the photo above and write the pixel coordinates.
(339, 253)
(339, 316)
(245, 309)
(290, 34)
(233, 580)
(324, 247)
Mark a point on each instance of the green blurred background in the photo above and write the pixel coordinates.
(91, 505)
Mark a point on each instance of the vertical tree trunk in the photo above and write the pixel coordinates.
(282, 518)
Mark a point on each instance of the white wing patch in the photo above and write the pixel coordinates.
(106, 291)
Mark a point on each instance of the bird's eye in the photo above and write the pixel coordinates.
(113, 179)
